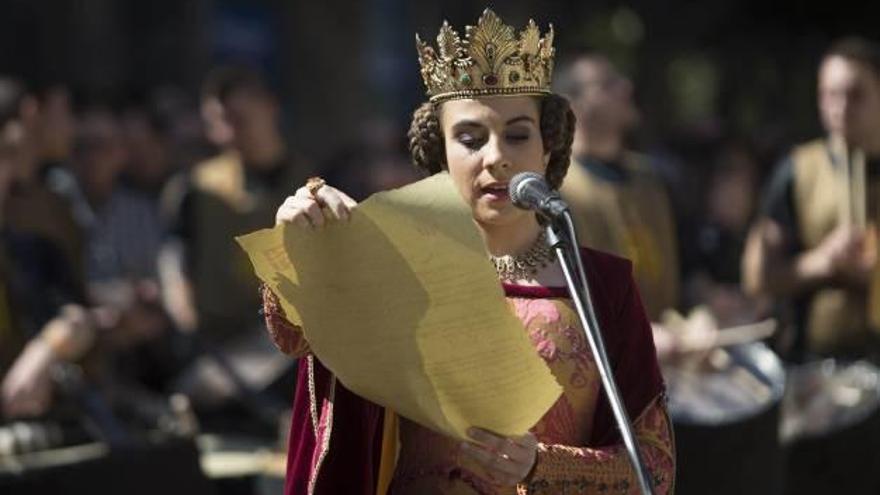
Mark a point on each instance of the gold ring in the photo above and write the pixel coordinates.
(313, 184)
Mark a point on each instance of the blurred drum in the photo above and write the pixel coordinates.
(240, 465)
(830, 428)
(157, 466)
(725, 411)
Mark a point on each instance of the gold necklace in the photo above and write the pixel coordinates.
(525, 265)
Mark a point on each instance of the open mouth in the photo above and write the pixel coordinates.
(495, 191)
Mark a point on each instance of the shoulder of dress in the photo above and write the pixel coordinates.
(606, 265)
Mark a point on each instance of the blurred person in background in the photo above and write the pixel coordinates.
(209, 289)
(123, 231)
(56, 128)
(377, 161)
(619, 201)
(118, 330)
(147, 132)
(42, 319)
(801, 251)
(713, 253)
(36, 202)
(122, 222)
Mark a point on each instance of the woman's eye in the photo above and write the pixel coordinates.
(469, 140)
(518, 138)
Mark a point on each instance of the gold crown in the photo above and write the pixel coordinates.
(489, 61)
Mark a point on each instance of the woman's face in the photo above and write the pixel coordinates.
(488, 141)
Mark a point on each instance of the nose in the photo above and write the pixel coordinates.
(494, 155)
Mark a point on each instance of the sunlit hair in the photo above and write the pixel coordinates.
(856, 49)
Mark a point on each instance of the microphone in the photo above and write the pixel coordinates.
(529, 191)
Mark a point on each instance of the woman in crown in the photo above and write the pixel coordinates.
(490, 115)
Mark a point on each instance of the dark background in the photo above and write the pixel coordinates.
(703, 69)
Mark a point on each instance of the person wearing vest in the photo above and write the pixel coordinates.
(42, 319)
(621, 205)
(207, 280)
(805, 249)
(36, 205)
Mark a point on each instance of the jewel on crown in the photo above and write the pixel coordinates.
(490, 60)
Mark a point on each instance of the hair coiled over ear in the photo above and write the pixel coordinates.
(426, 140)
(557, 131)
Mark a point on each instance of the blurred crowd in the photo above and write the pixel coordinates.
(118, 254)
(125, 300)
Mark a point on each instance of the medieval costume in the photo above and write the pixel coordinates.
(342, 443)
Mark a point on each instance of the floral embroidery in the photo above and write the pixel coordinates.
(560, 424)
(553, 330)
(556, 337)
(567, 469)
(286, 336)
(544, 345)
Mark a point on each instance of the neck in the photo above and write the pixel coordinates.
(606, 146)
(870, 146)
(267, 154)
(515, 238)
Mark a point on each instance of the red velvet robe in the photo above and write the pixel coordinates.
(336, 436)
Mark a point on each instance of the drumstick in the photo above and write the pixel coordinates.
(840, 148)
(745, 334)
(859, 194)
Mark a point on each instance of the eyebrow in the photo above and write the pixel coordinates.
(521, 118)
(474, 123)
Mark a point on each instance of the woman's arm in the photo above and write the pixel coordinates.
(308, 208)
(568, 469)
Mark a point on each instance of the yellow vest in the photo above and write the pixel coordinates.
(633, 219)
(225, 286)
(836, 319)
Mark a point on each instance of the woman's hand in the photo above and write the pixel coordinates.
(309, 211)
(506, 460)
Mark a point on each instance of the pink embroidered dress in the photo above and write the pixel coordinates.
(579, 450)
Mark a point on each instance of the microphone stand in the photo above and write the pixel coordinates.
(583, 303)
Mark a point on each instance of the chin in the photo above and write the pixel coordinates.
(504, 216)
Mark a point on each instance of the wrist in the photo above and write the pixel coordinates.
(54, 343)
(65, 340)
(531, 474)
(814, 266)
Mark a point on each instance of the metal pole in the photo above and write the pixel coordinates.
(583, 303)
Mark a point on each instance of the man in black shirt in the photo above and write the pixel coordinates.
(208, 282)
(806, 248)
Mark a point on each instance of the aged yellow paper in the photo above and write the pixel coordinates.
(403, 305)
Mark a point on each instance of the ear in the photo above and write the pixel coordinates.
(546, 159)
